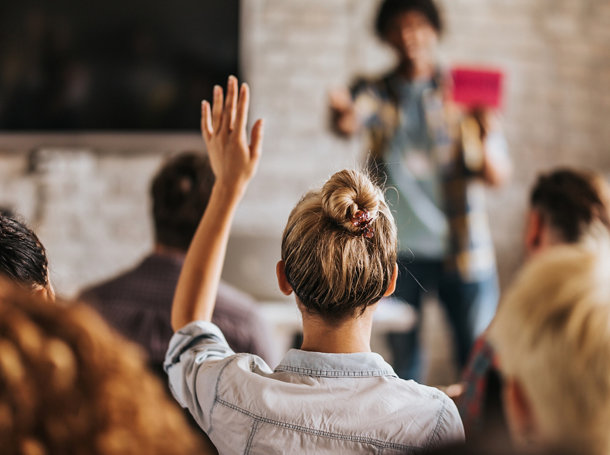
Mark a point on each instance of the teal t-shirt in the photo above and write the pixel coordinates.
(414, 183)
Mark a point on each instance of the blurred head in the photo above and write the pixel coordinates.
(68, 384)
(23, 259)
(552, 337)
(566, 206)
(333, 267)
(412, 27)
(180, 193)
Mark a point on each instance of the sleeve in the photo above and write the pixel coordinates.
(449, 428)
(194, 362)
(497, 146)
(367, 100)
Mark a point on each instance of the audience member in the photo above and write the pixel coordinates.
(339, 258)
(566, 206)
(70, 385)
(138, 302)
(436, 193)
(552, 338)
(23, 258)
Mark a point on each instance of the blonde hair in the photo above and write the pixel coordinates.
(552, 333)
(332, 266)
(68, 384)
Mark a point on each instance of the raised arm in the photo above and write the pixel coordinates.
(233, 162)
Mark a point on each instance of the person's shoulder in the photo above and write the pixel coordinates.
(100, 291)
(109, 287)
(435, 401)
(127, 284)
(430, 409)
(376, 83)
(424, 392)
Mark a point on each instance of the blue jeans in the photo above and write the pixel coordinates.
(470, 306)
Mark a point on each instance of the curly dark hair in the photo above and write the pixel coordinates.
(572, 201)
(23, 258)
(390, 8)
(180, 193)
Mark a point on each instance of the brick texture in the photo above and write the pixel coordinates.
(89, 202)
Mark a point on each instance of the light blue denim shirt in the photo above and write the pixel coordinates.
(312, 403)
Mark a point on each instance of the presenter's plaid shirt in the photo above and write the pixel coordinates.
(471, 252)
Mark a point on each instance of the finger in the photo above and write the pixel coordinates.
(206, 121)
(256, 139)
(242, 109)
(217, 108)
(228, 117)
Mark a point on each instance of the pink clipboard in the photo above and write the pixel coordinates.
(477, 87)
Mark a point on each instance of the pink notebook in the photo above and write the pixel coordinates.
(477, 87)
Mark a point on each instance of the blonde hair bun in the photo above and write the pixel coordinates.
(345, 193)
(336, 265)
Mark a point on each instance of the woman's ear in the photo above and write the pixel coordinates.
(392, 285)
(282, 281)
(45, 292)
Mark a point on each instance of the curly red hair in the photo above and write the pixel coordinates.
(70, 385)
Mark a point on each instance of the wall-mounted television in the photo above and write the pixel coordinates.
(112, 65)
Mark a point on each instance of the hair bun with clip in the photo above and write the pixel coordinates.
(362, 220)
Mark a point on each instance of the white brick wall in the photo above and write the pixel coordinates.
(89, 202)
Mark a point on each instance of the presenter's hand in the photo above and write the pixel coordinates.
(344, 118)
(495, 163)
(223, 127)
(487, 119)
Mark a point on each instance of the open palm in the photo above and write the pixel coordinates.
(223, 127)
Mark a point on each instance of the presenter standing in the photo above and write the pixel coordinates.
(435, 169)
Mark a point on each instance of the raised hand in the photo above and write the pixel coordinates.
(223, 127)
(234, 162)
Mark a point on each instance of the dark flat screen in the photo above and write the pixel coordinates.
(129, 65)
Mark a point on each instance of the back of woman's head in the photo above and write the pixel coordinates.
(573, 202)
(339, 247)
(552, 334)
(70, 385)
(23, 259)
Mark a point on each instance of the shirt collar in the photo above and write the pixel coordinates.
(365, 364)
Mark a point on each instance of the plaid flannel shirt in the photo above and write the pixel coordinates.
(483, 362)
(471, 252)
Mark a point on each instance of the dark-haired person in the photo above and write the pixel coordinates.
(567, 206)
(437, 196)
(338, 256)
(23, 258)
(138, 302)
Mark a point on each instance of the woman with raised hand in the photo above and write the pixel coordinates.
(339, 258)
